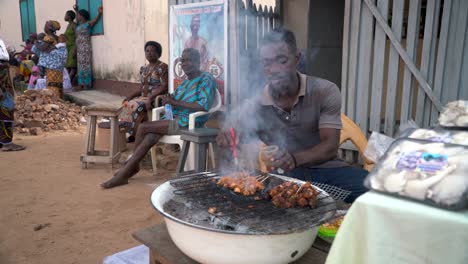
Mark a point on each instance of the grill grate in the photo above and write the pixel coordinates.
(195, 193)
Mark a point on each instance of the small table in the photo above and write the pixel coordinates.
(92, 155)
(201, 138)
(164, 251)
(382, 229)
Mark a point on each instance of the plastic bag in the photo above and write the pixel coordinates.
(377, 146)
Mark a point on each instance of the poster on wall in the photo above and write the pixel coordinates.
(202, 26)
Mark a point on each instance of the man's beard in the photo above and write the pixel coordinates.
(283, 88)
(278, 91)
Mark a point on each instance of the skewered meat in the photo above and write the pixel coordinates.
(242, 183)
(289, 194)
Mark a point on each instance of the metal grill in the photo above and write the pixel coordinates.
(196, 193)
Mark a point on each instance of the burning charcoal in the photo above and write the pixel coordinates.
(212, 210)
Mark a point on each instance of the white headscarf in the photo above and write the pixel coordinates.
(3, 51)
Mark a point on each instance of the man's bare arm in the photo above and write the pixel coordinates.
(324, 151)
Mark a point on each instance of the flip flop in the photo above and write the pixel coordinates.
(13, 147)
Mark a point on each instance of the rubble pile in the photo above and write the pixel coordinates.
(42, 110)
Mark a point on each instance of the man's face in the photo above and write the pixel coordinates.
(195, 25)
(189, 64)
(279, 67)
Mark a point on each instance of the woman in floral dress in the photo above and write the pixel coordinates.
(83, 47)
(153, 83)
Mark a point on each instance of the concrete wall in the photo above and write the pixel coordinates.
(51, 10)
(157, 25)
(118, 53)
(10, 19)
(10, 23)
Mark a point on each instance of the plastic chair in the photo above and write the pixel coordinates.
(350, 131)
(175, 139)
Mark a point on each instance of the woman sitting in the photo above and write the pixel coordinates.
(196, 93)
(153, 83)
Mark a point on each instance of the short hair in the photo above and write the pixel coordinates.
(84, 14)
(281, 35)
(194, 53)
(71, 14)
(156, 45)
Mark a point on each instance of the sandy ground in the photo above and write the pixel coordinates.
(83, 223)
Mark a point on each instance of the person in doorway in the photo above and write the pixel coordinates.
(197, 42)
(71, 43)
(84, 52)
(196, 93)
(154, 82)
(298, 113)
(7, 103)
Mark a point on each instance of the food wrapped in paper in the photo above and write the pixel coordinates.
(432, 172)
(438, 135)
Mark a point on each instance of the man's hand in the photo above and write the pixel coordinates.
(75, 7)
(167, 99)
(282, 159)
(224, 138)
(100, 10)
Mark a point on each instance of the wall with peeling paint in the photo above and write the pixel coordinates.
(10, 23)
(119, 54)
(157, 24)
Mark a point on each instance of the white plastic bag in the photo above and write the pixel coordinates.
(377, 146)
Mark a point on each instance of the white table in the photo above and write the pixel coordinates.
(383, 229)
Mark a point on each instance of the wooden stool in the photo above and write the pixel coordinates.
(91, 155)
(202, 138)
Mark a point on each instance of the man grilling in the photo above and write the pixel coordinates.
(298, 113)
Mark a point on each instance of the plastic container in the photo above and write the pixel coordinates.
(437, 135)
(327, 232)
(168, 112)
(429, 172)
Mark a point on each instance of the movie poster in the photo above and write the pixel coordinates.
(202, 26)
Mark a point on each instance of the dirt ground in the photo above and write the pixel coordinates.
(82, 223)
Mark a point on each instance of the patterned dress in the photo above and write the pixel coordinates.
(7, 106)
(200, 90)
(84, 54)
(135, 112)
(54, 63)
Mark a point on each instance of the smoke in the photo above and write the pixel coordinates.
(246, 117)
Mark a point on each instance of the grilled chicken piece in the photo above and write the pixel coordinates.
(242, 183)
(289, 194)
